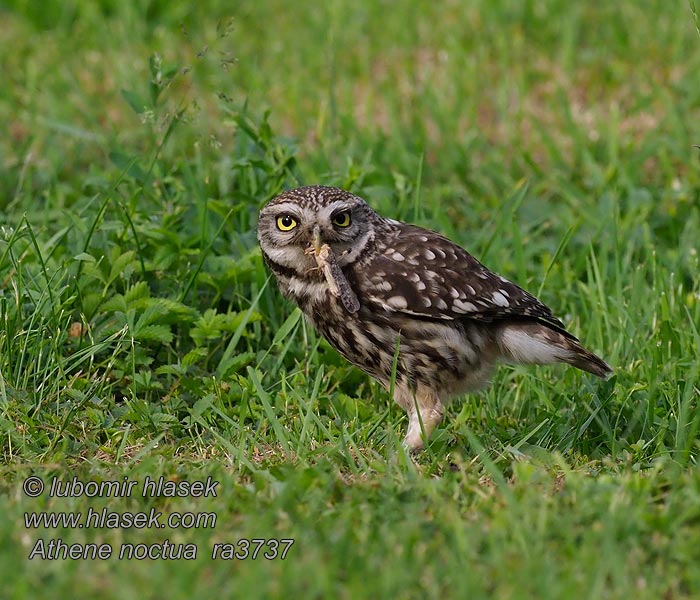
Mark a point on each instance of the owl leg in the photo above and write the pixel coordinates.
(424, 410)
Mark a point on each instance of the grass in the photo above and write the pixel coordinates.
(142, 337)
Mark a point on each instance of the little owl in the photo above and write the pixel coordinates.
(396, 298)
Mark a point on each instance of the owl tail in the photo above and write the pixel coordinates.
(536, 343)
(587, 361)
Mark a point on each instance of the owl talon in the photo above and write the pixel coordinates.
(417, 435)
(412, 445)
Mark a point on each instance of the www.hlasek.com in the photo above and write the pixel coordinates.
(57, 549)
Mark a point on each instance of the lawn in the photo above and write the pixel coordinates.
(157, 385)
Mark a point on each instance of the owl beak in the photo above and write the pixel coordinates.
(316, 239)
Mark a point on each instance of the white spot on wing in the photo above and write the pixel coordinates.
(397, 256)
(429, 254)
(384, 286)
(466, 307)
(397, 302)
(422, 314)
(500, 300)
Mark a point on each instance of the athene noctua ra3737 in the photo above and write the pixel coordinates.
(373, 286)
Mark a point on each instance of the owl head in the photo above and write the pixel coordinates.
(307, 218)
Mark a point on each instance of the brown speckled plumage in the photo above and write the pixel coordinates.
(451, 317)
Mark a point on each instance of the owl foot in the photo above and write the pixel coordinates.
(421, 424)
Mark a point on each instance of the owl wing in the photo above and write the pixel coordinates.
(426, 275)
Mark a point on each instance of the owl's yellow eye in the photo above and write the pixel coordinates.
(342, 219)
(286, 223)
